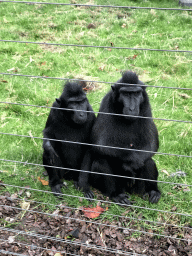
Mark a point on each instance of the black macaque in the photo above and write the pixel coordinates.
(123, 131)
(68, 125)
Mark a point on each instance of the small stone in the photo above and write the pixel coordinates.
(91, 25)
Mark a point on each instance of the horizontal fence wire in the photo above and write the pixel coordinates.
(32, 247)
(93, 81)
(97, 46)
(96, 112)
(104, 174)
(11, 253)
(96, 145)
(98, 200)
(95, 222)
(106, 213)
(69, 242)
(102, 6)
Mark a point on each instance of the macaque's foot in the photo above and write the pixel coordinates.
(89, 194)
(122, 199)
(153, 196)
(86, 191)
(57, 189)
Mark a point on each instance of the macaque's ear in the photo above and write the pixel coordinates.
(113, 87)
(143, 87)
(58, 101)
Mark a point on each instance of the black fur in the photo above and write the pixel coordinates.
(68, 125)
(124, 132)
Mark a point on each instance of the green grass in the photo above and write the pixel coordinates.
(68, 25)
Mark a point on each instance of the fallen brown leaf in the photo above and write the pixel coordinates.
(93, 212)
(44, 182)
(3, 81)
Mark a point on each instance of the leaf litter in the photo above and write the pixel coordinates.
(68, 233)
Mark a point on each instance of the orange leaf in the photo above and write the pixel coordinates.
(93, 212)
(44, 182)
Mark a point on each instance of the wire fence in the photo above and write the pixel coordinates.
(108, 214)
(13, 206)
(103, 6)
(90, 81)
(97, 46)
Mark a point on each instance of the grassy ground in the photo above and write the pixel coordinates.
(117, 27)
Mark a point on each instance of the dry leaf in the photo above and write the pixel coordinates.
(11, 69)
(44, 182)
(28, 194)
(3, 171)
(11, 239)
(56, 212)
(3, 81)
(153, 12)
(74, 233)
(174, 209)
(188, 237)
(14, 196)
(25, 205)
(186, 190)
(184, 95)
(164, 171)
(93, 212)
(102, 67)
